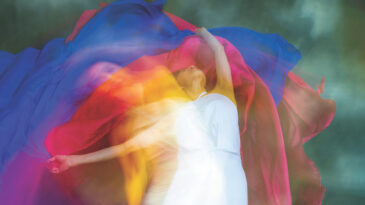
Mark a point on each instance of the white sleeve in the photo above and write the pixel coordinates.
(225, 125)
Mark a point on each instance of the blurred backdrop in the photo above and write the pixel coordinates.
(329, 33)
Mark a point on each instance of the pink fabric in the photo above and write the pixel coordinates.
(303, 114)
(27, 171)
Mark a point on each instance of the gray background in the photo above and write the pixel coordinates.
(329, 33)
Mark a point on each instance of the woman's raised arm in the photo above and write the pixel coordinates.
(224, 77)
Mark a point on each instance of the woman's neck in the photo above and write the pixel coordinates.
(195, 92)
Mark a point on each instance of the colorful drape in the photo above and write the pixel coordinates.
(68, 96)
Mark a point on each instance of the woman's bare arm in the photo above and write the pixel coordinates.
(142, 140)
(224, 77)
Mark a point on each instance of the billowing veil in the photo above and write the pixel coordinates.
(114, 75)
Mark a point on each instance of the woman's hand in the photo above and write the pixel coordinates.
(208, 37)
(201, 32)
(61, 163)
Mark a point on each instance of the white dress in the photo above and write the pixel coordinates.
(209, 170)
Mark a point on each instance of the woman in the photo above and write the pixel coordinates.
(209, 169)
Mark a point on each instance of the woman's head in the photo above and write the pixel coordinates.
(192, 80)
(190, 77)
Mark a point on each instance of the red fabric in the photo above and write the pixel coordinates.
(272, 137)
(180, 23)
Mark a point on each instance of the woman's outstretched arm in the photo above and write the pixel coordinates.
(224, 77)
(142, 140)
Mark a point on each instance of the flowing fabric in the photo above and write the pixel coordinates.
(67, 97)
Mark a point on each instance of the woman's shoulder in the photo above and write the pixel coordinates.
(217, 101)
(219, 98)
(228, 93)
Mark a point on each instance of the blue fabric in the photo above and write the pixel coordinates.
(41, 89)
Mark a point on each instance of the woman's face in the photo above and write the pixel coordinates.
(191, 76)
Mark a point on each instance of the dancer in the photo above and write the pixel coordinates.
(60, 101)
(209, 169)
